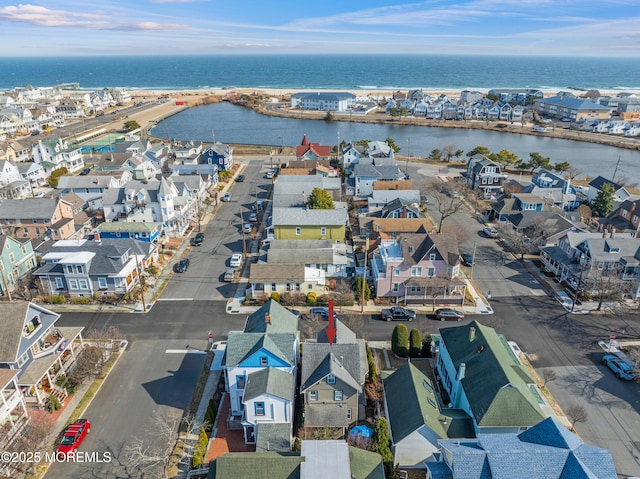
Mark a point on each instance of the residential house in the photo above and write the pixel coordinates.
(484, 175)
(316, 460)
(482, 375)
(595, 186)
(218, 154)
(494, 456)
(188, 153)
(12, 185)
(323, 101)
(172, 202)
(54, 153)
(335, 259)
(71, 109)
(16, 262)
(471, 96)
(146, 232)
(419, 268)
(624, 219)
(559, 190)
(296, 279)
(33, 172)
(351, 153)
(270, 340)
(85, 268)
(14, 151)
(312, 151)
(294, 190)
(268, 409)
(91, 187)
(564, 107)
(35, 217)
(389, 229)
(417, 420)
(8, 173)
(309, 224)
(38, 349)
(382, 199)
(13, 410)
(400, 208)
(366, 174)
(332, 378)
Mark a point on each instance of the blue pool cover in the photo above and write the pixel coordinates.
(361, 431)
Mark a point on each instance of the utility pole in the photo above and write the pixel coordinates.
(364, 274)
(4, 281)
(144, 305)
(244, 240)
(575, 295)
(473, 259)
(613, 178)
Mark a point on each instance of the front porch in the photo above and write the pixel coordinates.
(432, 291)
(57, 356)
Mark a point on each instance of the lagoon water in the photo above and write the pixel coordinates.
(229, 123)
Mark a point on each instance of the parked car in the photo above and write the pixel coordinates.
(269, 175)
(227, 196)
(489, 231)
(621, 369)
(253, 216)
(265, 242)
(466, 259)
(240, 178)
(236, 260)
(229, 275)
(182, 265)
(397, 313)
(247, 227)
(322, 312)
(197, 239)
(39, 194)
(257, 205)
(448, 314)
(85, 171)
(73, 436)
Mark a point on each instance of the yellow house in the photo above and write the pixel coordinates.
(307, 224)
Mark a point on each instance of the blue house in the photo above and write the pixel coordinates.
(219, 154)
(147, 232)
(556, 189)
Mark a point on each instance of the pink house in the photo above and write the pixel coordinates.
(419, 268)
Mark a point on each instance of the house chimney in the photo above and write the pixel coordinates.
(267, 318)
(462, 369)
(96, 236)
(633, 206)
(404, 211)
(472, 334)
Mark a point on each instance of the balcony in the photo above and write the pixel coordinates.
(49, 344)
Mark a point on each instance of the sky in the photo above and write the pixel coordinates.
(490, 27)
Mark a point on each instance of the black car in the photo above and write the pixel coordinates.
(197, 239)
(85, 171)
(182, 266)
(466, 259)
(240, 178)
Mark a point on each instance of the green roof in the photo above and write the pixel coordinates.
(280, 320)
(495, 384)
(272, 381)
(365, 464)
(412, 403)
(256, 465)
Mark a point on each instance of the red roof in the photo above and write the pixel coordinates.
(318, 150)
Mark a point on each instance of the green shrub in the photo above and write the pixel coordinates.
(426, 345)
(373, 371)
(367, 291)
(53, 403)
(311, 298)
(415, 343)
(400, 341)
(210, 414)
(54, 299)
(224, 175)
(200, 449)
(382, 442)
(80, 301)
(275, 296)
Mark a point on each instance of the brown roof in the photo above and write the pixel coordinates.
(6, 375)
(296, 171)
(276, 273)
(393, 185)
(415, 246)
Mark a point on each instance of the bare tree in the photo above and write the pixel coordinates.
(160, 452)
(548, 375)
(576, 414)
(527, 241)
(34, 437)
(571, 173)
(448, 152)
(447, 202)
(585, 213)
(606, 285)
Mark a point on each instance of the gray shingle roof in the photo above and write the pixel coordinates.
(274, 437)
(309, 217)
(281, 320)
(272, 381)
(28, 208)
(276, 273)
(12, 320)
(330, 415)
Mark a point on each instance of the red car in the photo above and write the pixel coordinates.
(74, 435)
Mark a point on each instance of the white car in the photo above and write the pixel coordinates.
(489, 231)
(265, 242)
(236, 260)
(247, 228)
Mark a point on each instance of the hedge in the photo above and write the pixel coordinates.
(415, 343)
(400, 341)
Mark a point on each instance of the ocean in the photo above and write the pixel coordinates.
(326, 72)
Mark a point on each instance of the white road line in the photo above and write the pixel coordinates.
(174, 299)
(184, 351)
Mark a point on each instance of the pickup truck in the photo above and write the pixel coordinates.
(398, 314)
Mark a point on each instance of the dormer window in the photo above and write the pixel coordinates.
(33, 324)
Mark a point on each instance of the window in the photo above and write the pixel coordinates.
(73, 284)
(273, 287)
(337, 395)
(396, 287)
(298, 231)
(80, 269)
(431, 272)
(102, 283)
(70, 269)
(432, 256)
(259, 408)
(240, 382)
(331, 379)
(349, 414)
(263, 361)
(59, 283)
(396, 271)
(23, 359)
(313, 395)
(416, 271)
(323, 231)
(83, 284)
(414, 289)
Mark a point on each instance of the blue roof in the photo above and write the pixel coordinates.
(325, 96)
(573, 103)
